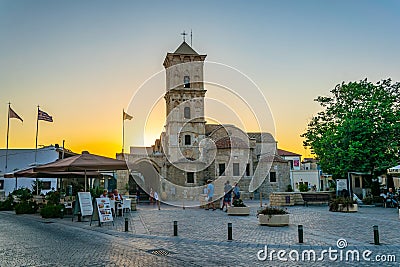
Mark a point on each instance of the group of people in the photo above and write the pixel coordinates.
(227, 199)
(391, 198)
(113, 195)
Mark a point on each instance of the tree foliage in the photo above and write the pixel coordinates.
(358, 128)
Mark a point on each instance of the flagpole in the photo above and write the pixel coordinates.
(123, 130)
(8, 130)
(37, 131)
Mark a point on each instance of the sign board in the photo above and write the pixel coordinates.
(104, 209)
(85, 203)
(341, 184)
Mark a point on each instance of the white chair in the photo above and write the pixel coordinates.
(120, 208)
(126, 205)
(112, 205)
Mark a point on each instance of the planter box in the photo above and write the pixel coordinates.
(243, 211)
(274, 220)
(351, 209)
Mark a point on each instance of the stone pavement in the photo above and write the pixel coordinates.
(202, 237)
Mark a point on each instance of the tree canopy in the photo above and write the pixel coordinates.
(358, 128)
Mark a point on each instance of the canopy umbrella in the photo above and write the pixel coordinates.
(83, 162)
(30, 173)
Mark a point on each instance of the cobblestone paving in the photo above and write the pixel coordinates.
(202, 238)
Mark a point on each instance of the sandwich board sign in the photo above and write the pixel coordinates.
(104, 210)
(85, 203)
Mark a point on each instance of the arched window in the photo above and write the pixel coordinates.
(186, 112)
(186, 82)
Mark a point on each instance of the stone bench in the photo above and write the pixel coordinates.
(315, 198)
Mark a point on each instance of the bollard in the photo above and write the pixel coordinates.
(229, 231)
(300, 230)
(376, 235)
(126, 224)
(175, 228)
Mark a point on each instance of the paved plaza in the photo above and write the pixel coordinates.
(29, 240)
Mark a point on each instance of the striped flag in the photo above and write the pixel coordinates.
(13, 115)
(44, 116)
(126, 116)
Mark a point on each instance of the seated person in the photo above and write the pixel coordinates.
(117, 196)
(391, 198)
(105, 194)
(111, 195)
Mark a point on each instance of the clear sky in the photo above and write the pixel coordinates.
(82, 61)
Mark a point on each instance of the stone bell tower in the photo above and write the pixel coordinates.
(184, 97)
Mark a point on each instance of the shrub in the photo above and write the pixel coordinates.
(96, 192)
(289, 188)
(53, 198)
(346, 202)
(7, 204)
(52, 211)
(238, 203)
(368, 200)
(24, 194)
(303, 187)
(267, 210)
(26, 207)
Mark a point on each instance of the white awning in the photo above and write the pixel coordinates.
(394, 170)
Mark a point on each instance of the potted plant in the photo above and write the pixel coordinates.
(238, 208)
(273, 216)
(343, 204)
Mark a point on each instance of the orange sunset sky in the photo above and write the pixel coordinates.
(84, 61)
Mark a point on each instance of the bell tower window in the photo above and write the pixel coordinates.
(188, 140)
(186, 82)
(186, 112)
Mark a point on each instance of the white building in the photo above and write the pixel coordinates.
(20, 159)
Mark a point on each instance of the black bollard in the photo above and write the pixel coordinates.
(300, 230)
(175, 228)
(126, 224)
(376, 235)
(229, 231)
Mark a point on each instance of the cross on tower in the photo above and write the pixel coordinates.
(184, 35)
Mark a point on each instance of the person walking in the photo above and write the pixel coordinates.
(210, 194)
(227, 196)
(157, 199)
(236, 192)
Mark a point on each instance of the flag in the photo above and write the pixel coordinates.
(13, 115)
(126, 116)
(44, 116)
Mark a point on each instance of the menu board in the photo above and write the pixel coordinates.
(85, 203)
(104, 209)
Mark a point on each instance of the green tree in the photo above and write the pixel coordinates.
(358, 129)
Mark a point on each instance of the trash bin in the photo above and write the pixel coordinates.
(133, 203)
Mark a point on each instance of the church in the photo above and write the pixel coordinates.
(191, 151)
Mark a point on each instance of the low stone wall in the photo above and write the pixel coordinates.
(285, 199)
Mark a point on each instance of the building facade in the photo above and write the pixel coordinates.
(190, 151)
(20, 159)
